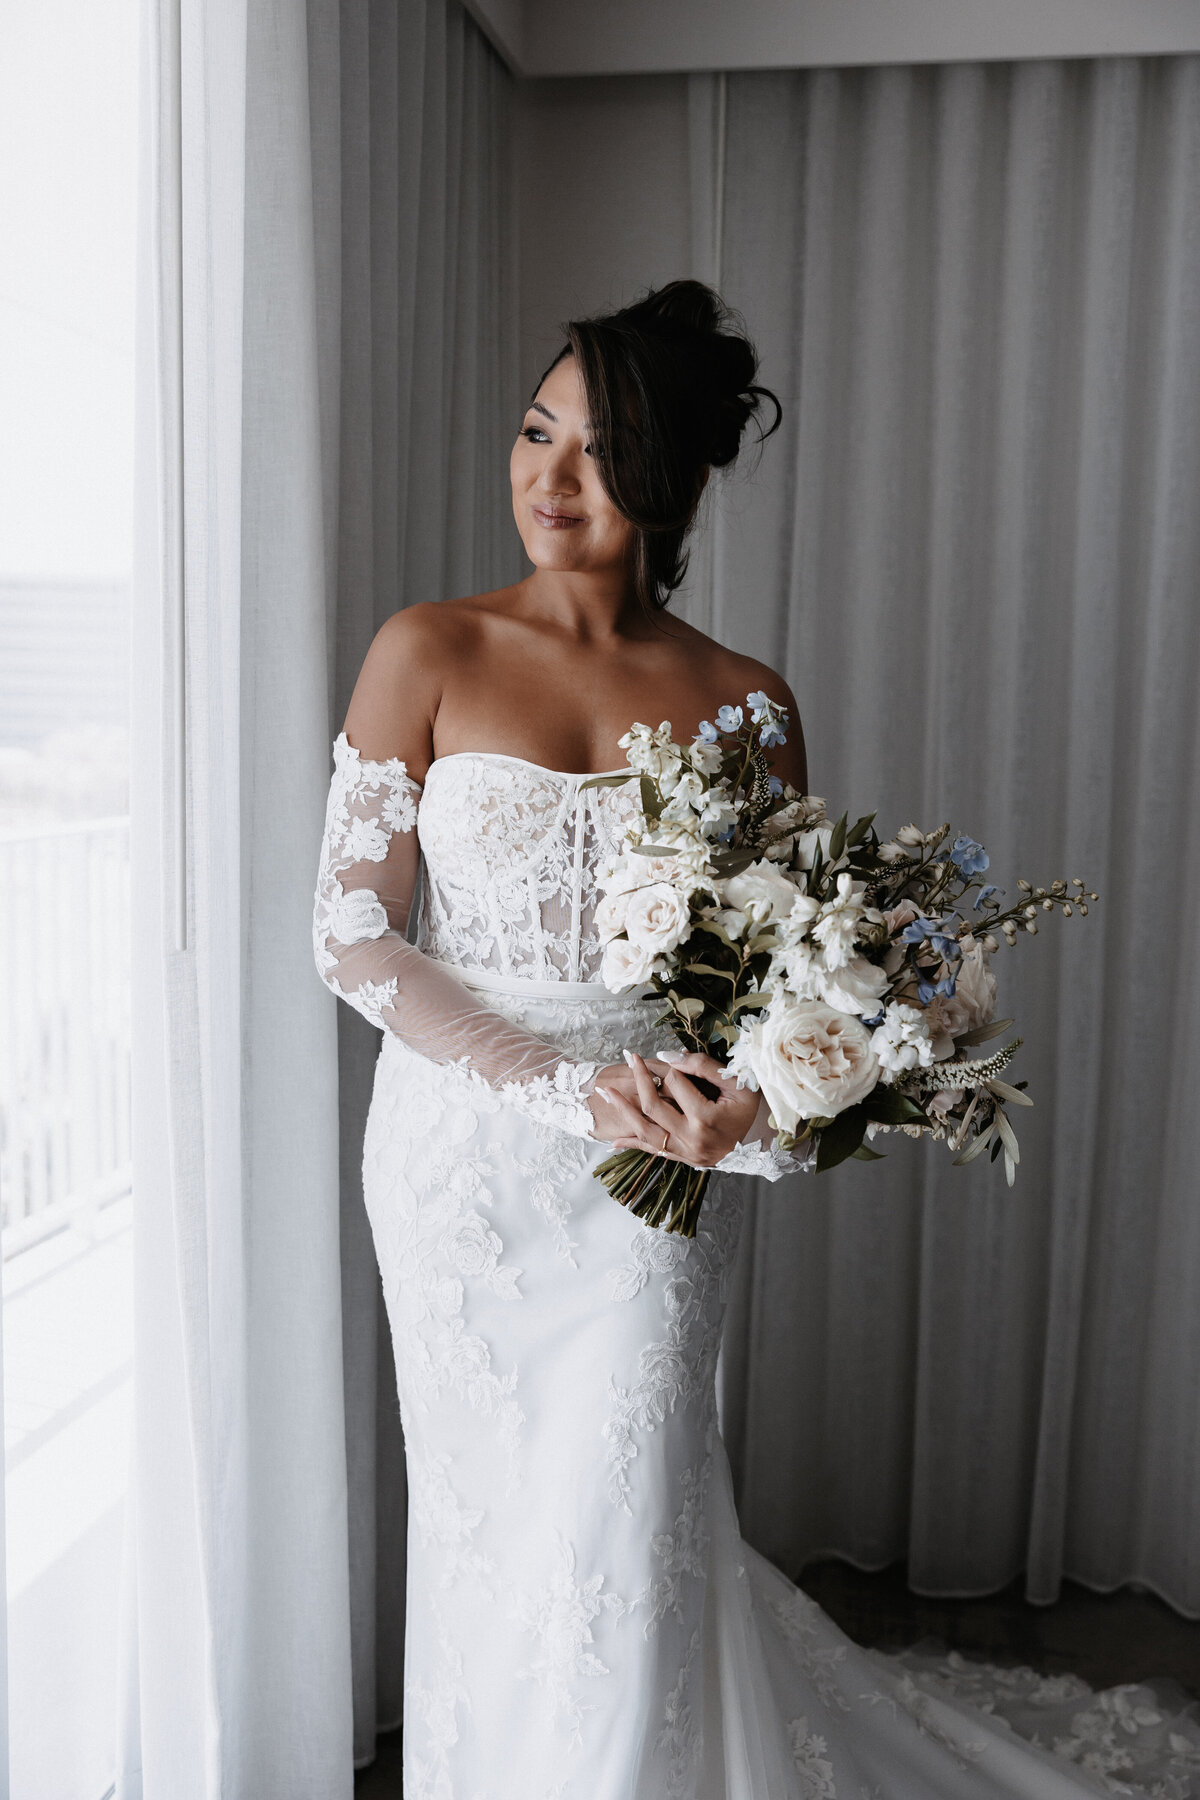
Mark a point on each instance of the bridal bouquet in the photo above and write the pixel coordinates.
(841, 977)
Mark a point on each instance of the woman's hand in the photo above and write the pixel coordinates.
(615, 1092)
(677, 1121)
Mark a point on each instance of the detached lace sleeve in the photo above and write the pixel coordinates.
(370, 859)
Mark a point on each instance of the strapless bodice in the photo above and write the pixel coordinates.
(511, 854)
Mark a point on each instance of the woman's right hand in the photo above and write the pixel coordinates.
(612, 1120)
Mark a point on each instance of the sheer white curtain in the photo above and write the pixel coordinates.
(324, 326)
(975, 549)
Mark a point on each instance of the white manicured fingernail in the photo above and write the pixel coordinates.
(628, 1055)
(671, 1056)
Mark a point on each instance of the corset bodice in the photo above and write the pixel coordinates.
(511, 854)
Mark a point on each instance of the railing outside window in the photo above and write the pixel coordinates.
(64, 1025)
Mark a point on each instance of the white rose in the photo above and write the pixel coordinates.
(809, 1060)
(657, 918)
(610, 915)
(976, 986)
(625, 965)
(761, 892)
(856, 987)
(356, 916)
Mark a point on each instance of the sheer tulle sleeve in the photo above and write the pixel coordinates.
(370, 861)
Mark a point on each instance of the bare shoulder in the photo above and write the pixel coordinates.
(734, 676)
(402, 679)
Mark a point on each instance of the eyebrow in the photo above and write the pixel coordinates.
(536, 406)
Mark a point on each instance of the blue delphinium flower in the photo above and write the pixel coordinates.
(985, 894)
(932, 931)
(774, 786)
(729, 718)
(758, 704)
(770, 734)
(968, 856)
(927, 989)
(707, 733)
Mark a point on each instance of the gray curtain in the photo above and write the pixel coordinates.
(421, 245)
(975, 550)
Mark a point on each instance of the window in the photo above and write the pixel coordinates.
(68, 140)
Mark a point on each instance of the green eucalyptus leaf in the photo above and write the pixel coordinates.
(859, 830)
(744, 1000)
(864, 1153)
(887, 1106)
(837, 842)
(975, 1148)
(653, 850)
(841, 1138)
(605, 781)
(651, 803)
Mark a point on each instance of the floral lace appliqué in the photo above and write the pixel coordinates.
(559, 1618)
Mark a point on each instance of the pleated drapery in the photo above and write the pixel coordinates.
(430, 390)
(975, 550)
(324, 352)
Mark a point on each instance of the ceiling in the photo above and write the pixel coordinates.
(630, 37)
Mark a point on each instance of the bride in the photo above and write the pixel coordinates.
(583, 1618)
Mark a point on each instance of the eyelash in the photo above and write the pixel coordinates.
(535, 432)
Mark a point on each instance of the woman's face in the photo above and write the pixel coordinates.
(565, 518)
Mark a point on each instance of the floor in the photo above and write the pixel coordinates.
(1107, 1638)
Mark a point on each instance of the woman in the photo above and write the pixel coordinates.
(583, 1618)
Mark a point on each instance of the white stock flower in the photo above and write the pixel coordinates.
(840, 921)
(657, 918)
(651, 752)
(805, 969)
(717, 813)
(809, 1060)
(686, 790)
(706, 757)
(625, 965)
(902, 1042)
(762, 892)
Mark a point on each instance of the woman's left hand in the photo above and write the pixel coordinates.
(677, 1121)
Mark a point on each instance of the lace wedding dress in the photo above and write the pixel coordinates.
(584, 1621)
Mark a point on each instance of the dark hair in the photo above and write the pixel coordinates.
(669, 388)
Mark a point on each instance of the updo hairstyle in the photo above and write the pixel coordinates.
(669, 388)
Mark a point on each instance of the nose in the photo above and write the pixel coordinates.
(558, 474)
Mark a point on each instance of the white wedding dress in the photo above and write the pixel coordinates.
(584, 1621)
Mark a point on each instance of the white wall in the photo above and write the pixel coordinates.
(603, 199)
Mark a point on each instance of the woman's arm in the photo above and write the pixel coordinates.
(369, 866)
